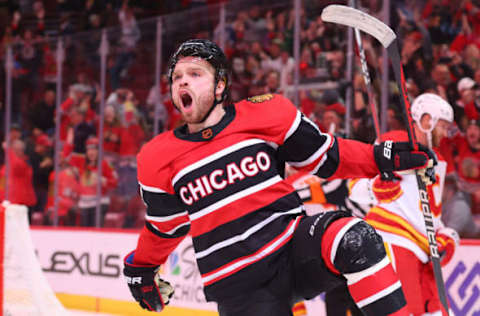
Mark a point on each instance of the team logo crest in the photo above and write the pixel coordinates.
(207, 133)
(261, 98)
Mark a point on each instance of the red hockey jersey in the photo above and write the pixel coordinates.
(224, 186)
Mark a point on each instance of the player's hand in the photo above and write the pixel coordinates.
(393, 156)
(387, 191)
(146, 286)
(448, 241)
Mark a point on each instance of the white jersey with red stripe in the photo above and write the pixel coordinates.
(223, 186)
(401, 220)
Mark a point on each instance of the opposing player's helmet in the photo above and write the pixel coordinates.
(208, 51)
(434, 105)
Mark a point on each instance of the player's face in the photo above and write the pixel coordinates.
(440, 131)
(192, 88)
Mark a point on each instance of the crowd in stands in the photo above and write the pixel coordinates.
(440, 51)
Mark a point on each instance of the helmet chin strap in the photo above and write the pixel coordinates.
(214, 104)
(428, 132)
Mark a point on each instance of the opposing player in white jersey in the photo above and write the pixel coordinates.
(397, 216)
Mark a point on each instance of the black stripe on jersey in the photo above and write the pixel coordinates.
(182, 231)
(303, 143)
(253, 242)
(161, 204)
(221, 164)
(331, 164)
(386, 305)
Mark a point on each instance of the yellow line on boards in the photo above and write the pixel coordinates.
(118, 307)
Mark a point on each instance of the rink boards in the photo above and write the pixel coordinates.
(84, 268)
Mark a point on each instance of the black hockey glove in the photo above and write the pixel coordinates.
(393, 156)
(146, 286)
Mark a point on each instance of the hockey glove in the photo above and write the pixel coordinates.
(387, 191)
(146, 286)
(393, 156)
(447, 240)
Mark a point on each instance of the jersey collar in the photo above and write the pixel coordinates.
(207, 133)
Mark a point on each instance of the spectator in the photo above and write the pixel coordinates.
(79, 131)
(88, 179)
(463, 152)
(68, 190)
(466, 89)
(20, 178)
(111, 135)
(272, 82)
(79, 99)
(333, 118)
(42, 114)
(42, 164)
(127, 47)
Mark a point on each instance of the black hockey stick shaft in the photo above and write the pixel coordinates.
(368, 82)
(393, 52)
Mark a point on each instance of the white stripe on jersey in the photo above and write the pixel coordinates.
(234, 197)
(256, 256)
(214, 157)
(172, 231)
(355, 277)
(232, 240)
(151, 189)
(162, 219)
(294, 126)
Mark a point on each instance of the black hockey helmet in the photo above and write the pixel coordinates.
(210, 52)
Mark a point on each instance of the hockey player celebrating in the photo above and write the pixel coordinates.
(397, 216)
(218, 178)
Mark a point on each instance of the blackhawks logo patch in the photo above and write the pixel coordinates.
(260, 98)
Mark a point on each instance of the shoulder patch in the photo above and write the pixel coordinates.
(260, 98)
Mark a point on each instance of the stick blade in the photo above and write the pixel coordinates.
(348, 16)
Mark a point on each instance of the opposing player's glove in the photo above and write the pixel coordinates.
(146, 286)
(393, 156)
(387, 191)
(447, 242)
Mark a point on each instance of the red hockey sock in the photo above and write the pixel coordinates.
(375, 289)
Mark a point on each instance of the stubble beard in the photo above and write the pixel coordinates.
(202, 104)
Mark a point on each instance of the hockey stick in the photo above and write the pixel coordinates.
(384, 34)
(366, 77)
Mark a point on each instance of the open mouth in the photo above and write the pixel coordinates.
(186, 99)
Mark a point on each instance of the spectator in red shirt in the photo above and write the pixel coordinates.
(20, 177)
(112, 131)
(88, 179)
(68, 190)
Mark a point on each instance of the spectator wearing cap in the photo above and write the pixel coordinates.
(466, 90)
(327, 98)
(42, 164)
(333, 119)
(88, 179)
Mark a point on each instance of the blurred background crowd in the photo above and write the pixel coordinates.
(440, 52)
